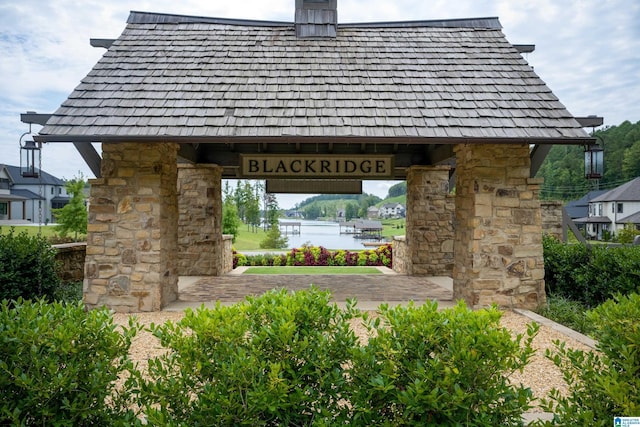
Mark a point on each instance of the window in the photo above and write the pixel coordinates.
(59, 190)
(4, 208)
(619, 205)
(52, 193)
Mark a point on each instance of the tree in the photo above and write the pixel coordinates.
(230, 219)
(312, 211)
(631, 161)
(399, 189)
(274, 238)
(72, 217)
(351, 211)
(563, 168)
(252, 209)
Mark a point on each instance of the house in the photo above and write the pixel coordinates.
(26, 199)
(373, 212)
(580, 208)
(611, 211)
(392, 210)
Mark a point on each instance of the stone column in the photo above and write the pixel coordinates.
(498, 244)
(429, 229)
(132, 232)
(200, 243)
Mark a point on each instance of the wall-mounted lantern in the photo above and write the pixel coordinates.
(29, 158)
(593, 161)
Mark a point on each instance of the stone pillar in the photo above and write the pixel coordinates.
(132, 231)
(200, 244)
(498, 246)
(429, 229)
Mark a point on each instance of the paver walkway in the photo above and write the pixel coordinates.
(368, 290)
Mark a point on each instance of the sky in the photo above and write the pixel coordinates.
(587, 51)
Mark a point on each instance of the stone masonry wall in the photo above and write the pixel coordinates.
(498, 248)
(200, 220)
(429, 229)
(131, 260)
(71, 258)
(401, 259)
(552, 218)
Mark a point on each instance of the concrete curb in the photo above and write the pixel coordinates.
(589, 342)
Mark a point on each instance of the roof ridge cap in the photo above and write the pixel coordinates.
(141, 17)
(491, 22)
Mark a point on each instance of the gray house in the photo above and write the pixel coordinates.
(611, 211)
(22, 198)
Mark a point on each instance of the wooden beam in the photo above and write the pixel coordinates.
(90, 156)
(188, 152)
(568, 222)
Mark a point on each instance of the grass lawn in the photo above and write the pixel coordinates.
(393, 227)
(32, 230)
(312, 270)
(247, 240)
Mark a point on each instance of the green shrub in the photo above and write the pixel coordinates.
(70, 292)
(28, 267)
(602, 385)
(239, 260)
(59, 365)
(572, 314)
(627, 234)
(423, 366)
(590, 275)
(274, 239)
(277, 359)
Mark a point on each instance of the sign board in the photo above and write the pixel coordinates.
(256, 166)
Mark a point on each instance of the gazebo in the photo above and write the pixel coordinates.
(180, 102)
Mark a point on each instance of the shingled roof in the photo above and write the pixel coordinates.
(213, 80)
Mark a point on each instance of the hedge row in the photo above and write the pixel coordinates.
(278, 359)
(320, 256)
(590, 274)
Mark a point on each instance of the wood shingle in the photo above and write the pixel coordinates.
(169, 75)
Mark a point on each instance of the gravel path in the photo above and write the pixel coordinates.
(540, 375)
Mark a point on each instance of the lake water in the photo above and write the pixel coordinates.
(322, 233)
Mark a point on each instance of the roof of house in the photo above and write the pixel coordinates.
(44, 179)
(211, 79)
(594, 220)
(627, 192)
(580, 208)
(26, 194)
(633, 219)
(11, 197)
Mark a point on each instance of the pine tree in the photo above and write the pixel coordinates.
(230, 219)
